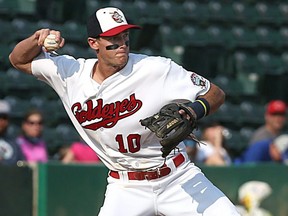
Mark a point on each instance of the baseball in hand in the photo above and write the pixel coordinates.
(50, 43)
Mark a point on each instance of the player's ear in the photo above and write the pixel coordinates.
(93, 43)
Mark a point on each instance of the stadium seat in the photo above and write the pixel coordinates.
(242, 36)
(67, 133)
(54, 110)
(192, 35)
(242, 12)
(266, 13)
(252, 113)
(228, 114)
(52, 138)
(18, 106)
(91, 6)
(235, 143)
(20, 82)
(26, 8)
(246, 133)
(7, 8)
(284, 60)
(74, 31)
(231, 86)
(267, 36)
(245, 61)
(23, 27)
(168, 7)
(283, 37)
(194, 11)
(6, 32)
(216, 35)
(4, 84)
(4, 55)
(219, 11)
(170, 35)
(269, 62)
(283, 13)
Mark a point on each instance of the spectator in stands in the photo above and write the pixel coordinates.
(269, 150)
(78, 152)
(212, 148)
(191, 148)
(10, 152)
(30, 141)
(275, 119)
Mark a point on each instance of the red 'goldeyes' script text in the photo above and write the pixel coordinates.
(108, 114)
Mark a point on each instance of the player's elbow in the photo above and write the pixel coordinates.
(18, 65)
(217, 94)
(222, 96)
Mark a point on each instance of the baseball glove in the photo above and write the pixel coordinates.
(170, 126)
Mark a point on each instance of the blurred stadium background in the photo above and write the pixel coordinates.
(241, 45)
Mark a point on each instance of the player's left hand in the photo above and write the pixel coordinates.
(172, 124)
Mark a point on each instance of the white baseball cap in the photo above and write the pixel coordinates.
(108, 21)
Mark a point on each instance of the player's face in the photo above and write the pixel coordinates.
(114, 50)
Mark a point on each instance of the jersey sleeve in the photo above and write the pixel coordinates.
(184, 84)
(55, 70)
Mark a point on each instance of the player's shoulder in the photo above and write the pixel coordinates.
(142, 58)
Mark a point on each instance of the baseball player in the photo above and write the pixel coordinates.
(106, 97)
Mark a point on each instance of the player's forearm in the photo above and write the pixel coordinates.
(208, 103)
(24, 52)
(215, 97)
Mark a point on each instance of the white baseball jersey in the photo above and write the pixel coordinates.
(107, 115)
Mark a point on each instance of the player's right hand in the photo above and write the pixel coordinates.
(41, 35)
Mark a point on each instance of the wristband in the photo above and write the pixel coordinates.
(201, 107)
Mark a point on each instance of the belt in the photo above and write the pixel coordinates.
(150, 174)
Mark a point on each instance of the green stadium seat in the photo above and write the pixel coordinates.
(67, 132)
(216, 35)
(283, 37)
(92, 5)
(242, 12)
(269, 63)
(7, 8)
(228, 114)
(4, 55)
(267, 13)
(192, 35)
(245, 61)
(7, 35)
(252, 113)
(74, 31)
(194, 11)
(267, 36)
(18, 107)
(247, 132)
(235, 143)
(23, 28)
(284, 61)
(283, 12)
(26, 8)
(242, 36)
(219, 11)
(53, 140)
(4, 84)
(231, 86)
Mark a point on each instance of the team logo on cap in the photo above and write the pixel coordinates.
(117, 17)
